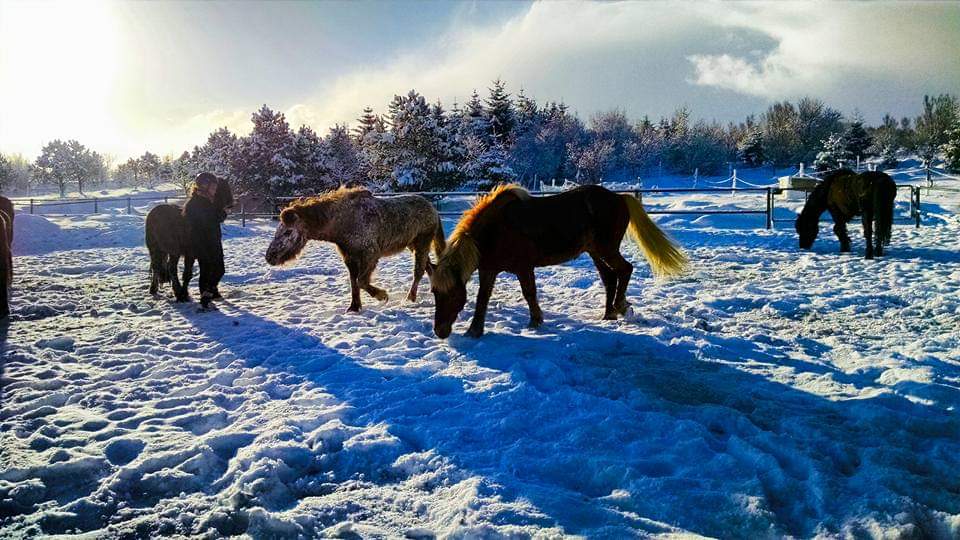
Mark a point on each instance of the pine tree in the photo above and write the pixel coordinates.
(475, 122)
(264, 164)
(750, 148)
(6, 172)
(951, 148)
(501, 116)
(856, 139)
(367, 123)
(344, 163)
(310, 157)
(834, 153)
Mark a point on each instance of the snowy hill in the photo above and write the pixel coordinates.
(770, 392)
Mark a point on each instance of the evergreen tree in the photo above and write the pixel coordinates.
(856, 139)
(367, 123)
(750, 148)
(951, 148)
(264, 164)
(219, 155)
(834, 153)
(344, 165)
(6, 172)
(54, 164)
(930, 133)
(149, 167)
(310, 157)
(501, 116)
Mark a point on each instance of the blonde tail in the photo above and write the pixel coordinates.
(665, 258)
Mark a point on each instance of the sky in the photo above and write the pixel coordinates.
(127, 77)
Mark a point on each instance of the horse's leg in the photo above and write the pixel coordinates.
(187, 276)
(840, 229)
(154, 278)
(366, 272)
(868, 230)
(609, 279)
(487, 278)
(528, 285)
(353, 267)
(623, 269)
(180, 291)
(421, 256)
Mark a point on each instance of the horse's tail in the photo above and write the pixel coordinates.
(439, 241)
(158, 262)
(883, 196)
(665, 258)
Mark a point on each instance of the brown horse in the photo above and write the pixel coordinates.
(6, 256)
(846, 194)
(364, 228)
(168, 239)
(510, 231)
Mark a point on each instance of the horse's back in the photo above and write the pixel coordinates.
(402, 219)
(164, 228)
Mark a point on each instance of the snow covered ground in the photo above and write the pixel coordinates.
(770, 392)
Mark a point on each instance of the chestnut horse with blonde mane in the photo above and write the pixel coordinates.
(510, 231)
(364, 228)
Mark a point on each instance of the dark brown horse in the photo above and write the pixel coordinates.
(168, 239)
(364, 228)
(510, 231)
(6, 255)
(846, 194)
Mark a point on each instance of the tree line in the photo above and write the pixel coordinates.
(421, 146)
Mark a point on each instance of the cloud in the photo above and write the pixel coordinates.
(822, 47)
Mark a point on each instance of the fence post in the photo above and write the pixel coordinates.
(31, 206)
(917, 210)
(94, 205)
(165, 201)
(769, 208)
(129, 211)
(243, 216)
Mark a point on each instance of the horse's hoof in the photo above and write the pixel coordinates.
(474, 332)
(382, 296)
(353, 309)
(411, 298)
(535, 323)
(609, 316)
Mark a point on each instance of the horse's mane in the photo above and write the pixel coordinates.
(311, 209)
(462, 256)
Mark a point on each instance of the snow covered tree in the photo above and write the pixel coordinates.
(16, 172)
(219, 155)
(310, 157)
(63, 162)
(951, 148)
(750, 148)
(501, 117)
(930, 128)
(6, 172)
(475, 122)
(367, 123)
(343, 166)
(834, 153)
(149, 167)
(857, 141)
(263, 158)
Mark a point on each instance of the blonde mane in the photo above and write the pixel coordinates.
(305, 207)
(462, 256)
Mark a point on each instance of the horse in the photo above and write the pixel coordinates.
(508, 230)
(364, 228)
(168, 238)
(846, 194)
(6, 255)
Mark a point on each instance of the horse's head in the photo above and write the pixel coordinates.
(448, 282)
(449, 300)
(290, 238)
(807, 228)
(224, 196)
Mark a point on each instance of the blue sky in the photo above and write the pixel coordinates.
(159, 76)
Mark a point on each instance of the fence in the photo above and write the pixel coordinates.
(765, 195)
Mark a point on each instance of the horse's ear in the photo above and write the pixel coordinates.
(289, 216)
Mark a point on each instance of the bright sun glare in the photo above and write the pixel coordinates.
(58, 68)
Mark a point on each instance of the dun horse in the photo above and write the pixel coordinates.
(6, 256)
(364, 228)
(846, 194)
(510, 231)
(168, 239)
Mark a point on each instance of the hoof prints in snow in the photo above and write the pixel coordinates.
(758, 397)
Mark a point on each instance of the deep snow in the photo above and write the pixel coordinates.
(770, 392)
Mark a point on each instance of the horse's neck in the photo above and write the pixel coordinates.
(817, 203)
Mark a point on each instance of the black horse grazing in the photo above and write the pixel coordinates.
(510, 231)
(168, 238)
(6, 256)
(846, 194)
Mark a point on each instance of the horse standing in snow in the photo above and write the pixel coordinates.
(168, 238)
(6, 255)
(846, 194)
(364, 228)
(510, 231)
